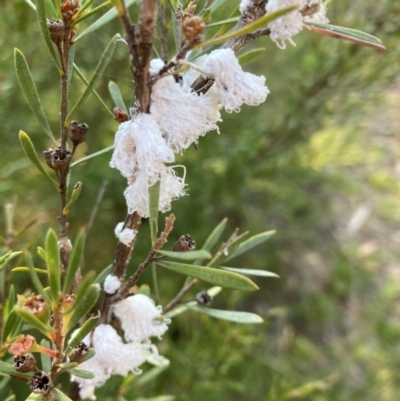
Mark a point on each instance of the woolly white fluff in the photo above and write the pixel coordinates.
(183, 116)
(126, 235)
(137, 193)
(318, 17)
(283, 28)
(111, 284)
(139, 145)
(244, 5)
(235, 86)
(139, 318)
(112, 357)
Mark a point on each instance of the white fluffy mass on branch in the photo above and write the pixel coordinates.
(139, 145)
(183, 116)
(125, 235)
(137, 193)
(234, 86)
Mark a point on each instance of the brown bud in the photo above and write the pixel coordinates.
(56, 30)
(77, 132)
(203, 298)
(68, 9)
(61, 159)
(194, 29)
(79, 353)
(25, 363)
(22, 345)
(120, 115)
(40, 383)
(184, 244)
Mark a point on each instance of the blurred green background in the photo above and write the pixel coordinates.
(318, 162)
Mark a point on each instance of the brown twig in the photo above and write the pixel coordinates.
(163, 30)
(177, 300)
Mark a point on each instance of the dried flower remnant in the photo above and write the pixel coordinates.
(78, 132)
(233, 86)
(79, 353)
(203, 298)
(193, 27)
(40, 383)
(140, 318)
(25, 363)
(184, 244)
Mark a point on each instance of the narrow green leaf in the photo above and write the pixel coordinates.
(154, 198)
(251, 243)
(30, 92)
(12, 326)
(8, 369)
(46, 360)
(144, 378)
(30, 4)
(94, 11)
(85, 306)
(33, 320)
(37, 283)
(190, 255)
(84, 285)
(87, 327)
(116, 96)
(215, 276)
(222, 255)
(76, 191)
(50, 8)
(92, 156)
(53, 264)
(250, 55)
(71, 60)
(68, 365)
(105, 19)
(7, 257)
(60, 396)
(41, 14)
(232, 316)
(84, 374)
(104, 60)
(85, 6)
(75, 261)
(102, 276)
(30, 151)
(351, 35)
(217, 4)
(248, 28)
(213, 238)
(250, 272)
(223, 22)
(10, 302)
(42, 253)
(27, 269)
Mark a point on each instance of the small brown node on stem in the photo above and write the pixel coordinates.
(203, 298)
(40, 383)
(120, 115)
(194, 29)
(25, 363)
(184, 244)
(77, 132)
(79, 353)
(56, 30)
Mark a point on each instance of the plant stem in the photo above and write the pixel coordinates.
(176, 301)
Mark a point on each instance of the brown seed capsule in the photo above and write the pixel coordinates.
(120, 115)
(194, 29)
(184, 244)
(25, 363)
(203, 298)
(61, 158)
(48, 157)
(56, 30)
(77, 132)
(40, 383)
(79, 353)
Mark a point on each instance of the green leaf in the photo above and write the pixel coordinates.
(105, 19)
(351, 35)
(46, 360)
(248, 28)
(12, 326)
(7, 257)
(8, 369)
(94, 11)
(41, 14)
(71, 60)
(85, 283)
(190, 255)
(75, 261)
(50, 8)
(30, 92)
(250, 272)
(53, 264)
(217, 4)
(116, 96)
(85, 5)
(104, 60)
(42, 253)
(92, 156)
(154, 198)
(223, 254)
(232, 316)
(251, 243)
(27, 270)
(84, 306)
(223, 22)
(84, 374)
(102, 276)
(30, 151)
(76, 191)
(60, 396)
(30, 4)
(250, 55)
(88, 326)
(37, 283)
(33, 320)
(215, 276)
(144, 378)
(10, 302)
(68, 365)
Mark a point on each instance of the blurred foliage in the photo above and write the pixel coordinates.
(318, 162)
